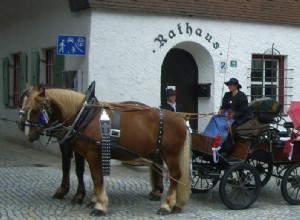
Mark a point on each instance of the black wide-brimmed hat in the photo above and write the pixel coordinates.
(233, 81)
(170, 92)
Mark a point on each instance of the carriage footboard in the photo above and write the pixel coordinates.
(202, 143)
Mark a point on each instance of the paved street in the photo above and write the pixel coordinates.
(29, 179)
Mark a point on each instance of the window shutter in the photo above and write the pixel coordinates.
(5, 71)
(59, 63)
(23, 72)
(35, 67)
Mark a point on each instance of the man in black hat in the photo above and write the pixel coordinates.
(234, 105)
(171, 104)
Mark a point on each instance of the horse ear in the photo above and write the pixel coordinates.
(27, 86)
(37, 87)
(42, 93)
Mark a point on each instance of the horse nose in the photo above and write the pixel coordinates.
(31, 135)
(31, 138)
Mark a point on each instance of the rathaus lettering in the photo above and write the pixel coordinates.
(188, 30)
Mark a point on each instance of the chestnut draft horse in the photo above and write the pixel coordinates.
(140, 133)
(66, 155)
(67, 152)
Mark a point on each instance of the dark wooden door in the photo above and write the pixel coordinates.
(180, 69)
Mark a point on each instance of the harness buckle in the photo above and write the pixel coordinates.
(115, 133)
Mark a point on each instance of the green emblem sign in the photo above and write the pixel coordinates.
(233, 63)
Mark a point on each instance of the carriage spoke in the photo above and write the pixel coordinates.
(204, 175)
(294, 185)
(233, 194)
(241, 187)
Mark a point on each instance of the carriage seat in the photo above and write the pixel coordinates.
(265, 113)
(251, 129)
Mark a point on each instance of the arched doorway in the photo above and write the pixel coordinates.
(179, 69)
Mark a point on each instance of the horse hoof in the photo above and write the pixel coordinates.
(91, 205)
(176, 210)
(154, 197)
(97, 212)
(162, 211)
(77, 201)
(58, 196)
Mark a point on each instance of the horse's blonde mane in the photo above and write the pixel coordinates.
(68, 101)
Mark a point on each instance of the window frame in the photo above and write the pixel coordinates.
(20, 76)
(280, 76)
(54, 67)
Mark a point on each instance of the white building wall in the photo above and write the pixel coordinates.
(121, 53)
(121, 58)
(125, 67)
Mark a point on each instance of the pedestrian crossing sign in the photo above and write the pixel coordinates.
(71, 45)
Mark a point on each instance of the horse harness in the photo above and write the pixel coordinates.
(115, 131)
(108, 143)
(110, 135)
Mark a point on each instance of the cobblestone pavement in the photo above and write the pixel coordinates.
(29, 179)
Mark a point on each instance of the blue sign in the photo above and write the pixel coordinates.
(71, 45)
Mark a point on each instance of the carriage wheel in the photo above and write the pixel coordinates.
(290, 186)
(261, 160)
(204, 175)
(239, 186)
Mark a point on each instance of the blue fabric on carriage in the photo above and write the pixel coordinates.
(218, 126)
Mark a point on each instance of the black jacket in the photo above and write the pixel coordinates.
(239, 106)
(179, 107)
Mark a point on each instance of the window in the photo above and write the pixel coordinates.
(49, 65)
(14, 78)
(269, 78)
(20, 76)
(5, 80)
(35, 68)
(264, 78)
(15, 73)
(54, 66)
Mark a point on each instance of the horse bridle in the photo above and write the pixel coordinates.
(43, 119)
(22, 112)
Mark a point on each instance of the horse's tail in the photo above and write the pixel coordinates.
(183, 187)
